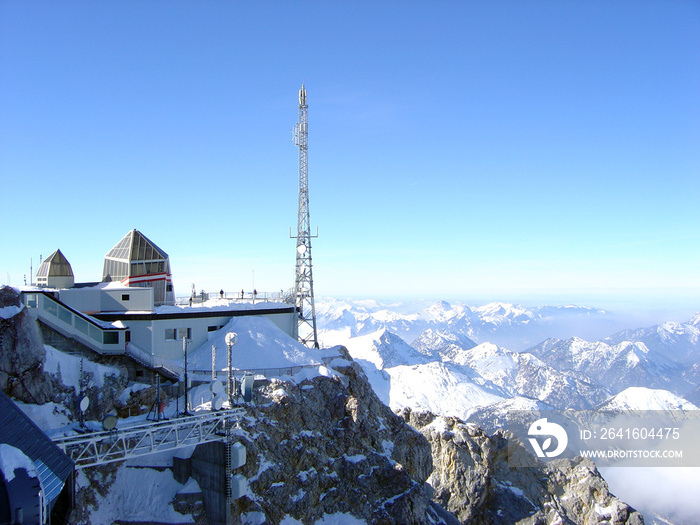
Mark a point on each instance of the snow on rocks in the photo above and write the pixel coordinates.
(7, 312)
(135, 494)
(68, 367)
(437, 388)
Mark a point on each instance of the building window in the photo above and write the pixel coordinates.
(110, 338)
(176, 334)
(125, 297)
(82, 325)
(65, 315)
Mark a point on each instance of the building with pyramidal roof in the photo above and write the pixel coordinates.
(137, 262)
(55, 272)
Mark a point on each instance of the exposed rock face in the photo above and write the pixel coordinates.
(328, 445)
(22, 353)
(473, 480)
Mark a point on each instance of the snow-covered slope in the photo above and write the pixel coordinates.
(495, 416)
(447, 345)
(439, 388)
(640, 398)
(260, 344)
(449, 379)
(385, 349)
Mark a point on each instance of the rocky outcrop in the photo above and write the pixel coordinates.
(22, 353)
(473, 479)
(327, 445)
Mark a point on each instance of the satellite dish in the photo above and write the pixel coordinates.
(217, 403)
(84, 403)
(216, 386)
(231, 338)
(301, 249)
(247, 387)
(109, 422)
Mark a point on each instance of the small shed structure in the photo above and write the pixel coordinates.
(26, 445)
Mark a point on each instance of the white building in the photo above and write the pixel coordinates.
(132, 311)
(136, 261)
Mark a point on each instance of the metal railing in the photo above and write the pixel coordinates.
(153, 361)
(239, 297)
(69, 322)
(205, 375)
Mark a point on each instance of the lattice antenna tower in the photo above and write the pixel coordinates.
(304, 283)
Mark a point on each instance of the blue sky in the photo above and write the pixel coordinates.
(538, 151)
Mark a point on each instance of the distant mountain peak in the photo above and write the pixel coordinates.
(385, 349)
(642, 398)
(436, 340)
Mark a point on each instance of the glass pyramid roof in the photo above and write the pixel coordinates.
(55, 265)
(135, 246)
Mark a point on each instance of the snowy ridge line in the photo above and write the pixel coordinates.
(99, 448)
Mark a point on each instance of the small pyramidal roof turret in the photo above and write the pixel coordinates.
(137, 261)
(55, 272)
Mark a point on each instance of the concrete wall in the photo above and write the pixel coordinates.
(86, 300)
(127, 299)
(122, 299)
(288, 323)
(141, 334)
(208, 464)
(199, 334)
(60, 281)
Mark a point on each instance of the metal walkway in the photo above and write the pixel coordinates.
(99, 448)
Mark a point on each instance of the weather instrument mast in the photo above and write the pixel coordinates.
(304, 283)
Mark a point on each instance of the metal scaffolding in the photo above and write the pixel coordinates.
(99, 448)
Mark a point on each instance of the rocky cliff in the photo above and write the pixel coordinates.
(327, 445)
(22, 353)
(473, 480)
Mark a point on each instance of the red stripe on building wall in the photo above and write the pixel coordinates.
(150, 277)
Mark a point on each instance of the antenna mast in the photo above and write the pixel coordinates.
(304, 284)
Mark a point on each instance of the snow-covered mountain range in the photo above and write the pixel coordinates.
(504, 324)
(480, 364)
(428, 358)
